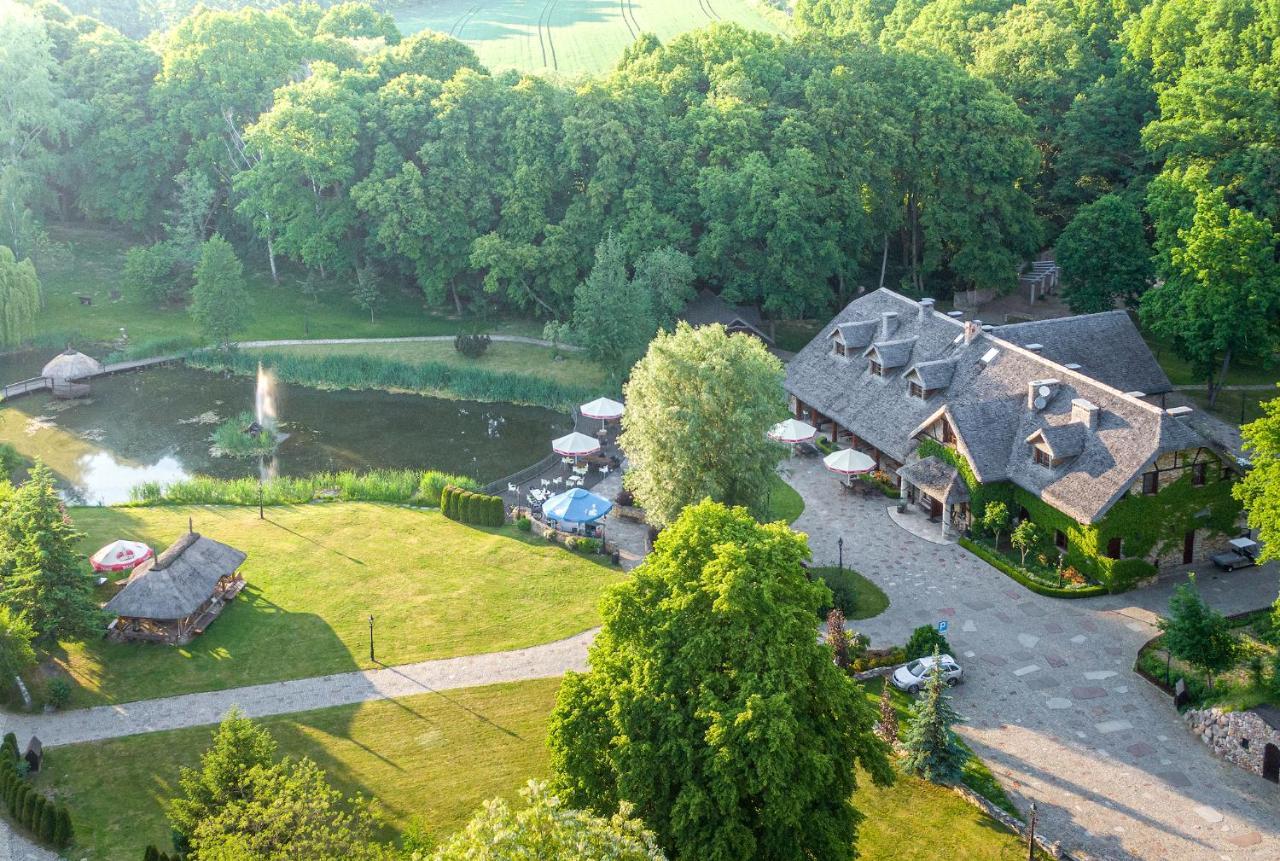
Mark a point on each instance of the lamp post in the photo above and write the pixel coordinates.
(260, 517)
(372, 659)
(1031, 834)
(840, 552)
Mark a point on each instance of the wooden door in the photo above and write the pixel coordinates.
(1188, 547)
(1271, 763)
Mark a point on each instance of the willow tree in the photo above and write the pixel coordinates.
(699, 406)
(19, 298)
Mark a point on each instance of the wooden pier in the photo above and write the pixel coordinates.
(45, 384)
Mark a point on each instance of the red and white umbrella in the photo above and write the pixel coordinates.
(575, 445)
(792, 431)
(849, 461)
(604, 409)
(120, 556)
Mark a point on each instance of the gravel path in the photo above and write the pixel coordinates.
(408, 339)
(79, 725)
(1051, 700)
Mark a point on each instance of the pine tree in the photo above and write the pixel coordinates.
(1196, 633)
(887, 727)
(933, 751)
(48, 821)
(151, 854)
(45, 579)
(62, 832)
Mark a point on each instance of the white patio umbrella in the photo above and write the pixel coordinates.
(791, 432)
(604, 409)
(120, 556)
(575, 445)
(848, 461)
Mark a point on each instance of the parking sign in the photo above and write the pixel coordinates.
(942, 626)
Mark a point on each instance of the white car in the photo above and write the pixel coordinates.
(910, 677)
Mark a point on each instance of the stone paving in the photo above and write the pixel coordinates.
(1051, 701)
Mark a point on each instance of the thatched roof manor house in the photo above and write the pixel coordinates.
(176, 595)
(1062, 419)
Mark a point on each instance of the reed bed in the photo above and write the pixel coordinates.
(409, 486)
(348, 371)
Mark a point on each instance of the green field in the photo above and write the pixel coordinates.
(568, 36)
(315, 573)
(431, 760)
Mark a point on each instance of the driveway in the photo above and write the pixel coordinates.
(1051, 701)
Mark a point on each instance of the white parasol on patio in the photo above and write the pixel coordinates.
(575, 445)
(848, 461)
(604, 409)
(792, 431)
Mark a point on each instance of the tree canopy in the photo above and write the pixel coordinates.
(758, 763)
(19, 299)
(727, 392)
(1104, 256)
(1259, 489)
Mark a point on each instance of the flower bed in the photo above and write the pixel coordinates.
(1032, 580)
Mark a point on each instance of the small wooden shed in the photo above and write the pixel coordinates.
(175, 596)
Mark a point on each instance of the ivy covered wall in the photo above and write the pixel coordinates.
(1148, 526)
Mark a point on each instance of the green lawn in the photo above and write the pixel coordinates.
(91, 263)
(868, 599)
(436, 588)
(785, 502)
(501, 357)
(568, 36)
(434, 758)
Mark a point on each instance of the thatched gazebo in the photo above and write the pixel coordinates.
(67, 371)
(175, 596)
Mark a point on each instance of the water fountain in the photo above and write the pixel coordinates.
(264, 400)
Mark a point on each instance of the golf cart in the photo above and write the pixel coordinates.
(1240, 553)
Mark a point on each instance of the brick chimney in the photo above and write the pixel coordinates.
(888, 325)
(1086, 413)
(971, 331)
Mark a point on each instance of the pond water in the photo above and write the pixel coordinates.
(154, 425)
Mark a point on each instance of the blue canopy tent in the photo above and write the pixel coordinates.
(576, 506)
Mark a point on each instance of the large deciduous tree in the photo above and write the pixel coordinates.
(699, 406)
(613, 317)
(219, 301)
(19, 299)
(1220, 298)
(1104, 256)
(545, 828)
(757, 763)
(1259, 489)
(41, 573)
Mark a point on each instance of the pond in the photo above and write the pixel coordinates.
(155, 424)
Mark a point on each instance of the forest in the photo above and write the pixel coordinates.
(928, 146)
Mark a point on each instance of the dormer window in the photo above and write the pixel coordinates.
(838, 348)
(876, 368)
(1041, 456)
(917, 391)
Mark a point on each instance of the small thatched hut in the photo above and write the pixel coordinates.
(175, 596)
(67, 371)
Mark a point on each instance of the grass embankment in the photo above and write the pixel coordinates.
(442, 379)
(90, 262)
(434, 758)
(785, 502)
(578, 36)
(315, 573)
(1253, 680)
(407, 486)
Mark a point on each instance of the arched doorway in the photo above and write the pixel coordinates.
(1271, 763)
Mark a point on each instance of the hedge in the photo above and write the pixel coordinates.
(467, 506)
(1001, 564)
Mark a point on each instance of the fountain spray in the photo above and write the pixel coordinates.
(264, 400)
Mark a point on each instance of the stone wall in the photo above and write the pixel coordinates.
(1238, 737)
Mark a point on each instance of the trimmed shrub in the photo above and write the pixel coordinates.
(151, 854)
(58, 692)
(471, 346)
(10, 745)
(524, 524)
(1000, 563)
(924, 640)
(28, 810)
(62, 831)
(48, 821)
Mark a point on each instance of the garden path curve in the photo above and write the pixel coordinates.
(1051, 700)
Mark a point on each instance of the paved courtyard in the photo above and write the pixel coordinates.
(1051, 700)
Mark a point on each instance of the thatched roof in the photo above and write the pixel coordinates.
(71, 365)
(936, 478)
(176, 583)
(707, 308)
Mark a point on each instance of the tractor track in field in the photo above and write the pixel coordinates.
(710, 11)
(462, 22)
(629, 9)
(544, 25)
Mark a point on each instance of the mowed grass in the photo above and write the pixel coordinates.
(501, 357)
(785, 502)
(431, 759)
(434, 758)
(91, 263)
(569, 37)
(315, 573)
